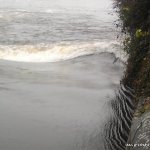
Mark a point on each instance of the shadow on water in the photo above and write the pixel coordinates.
(117, 129)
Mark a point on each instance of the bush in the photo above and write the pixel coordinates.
(134, 16)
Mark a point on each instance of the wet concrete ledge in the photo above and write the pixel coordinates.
(139, 138)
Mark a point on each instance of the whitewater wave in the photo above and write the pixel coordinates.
(57, 52)
(20, 13)
(46, 11)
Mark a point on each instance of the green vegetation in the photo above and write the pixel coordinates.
(134, 20)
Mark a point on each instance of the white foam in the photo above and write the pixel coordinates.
(57, 52)
(50, 11)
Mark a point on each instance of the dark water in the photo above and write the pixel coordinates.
(118, 127)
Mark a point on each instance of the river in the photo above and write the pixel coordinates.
(60, 68)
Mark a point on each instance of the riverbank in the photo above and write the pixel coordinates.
(140, 130)
(134, 20)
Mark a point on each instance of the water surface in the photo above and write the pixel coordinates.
(60, 65)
